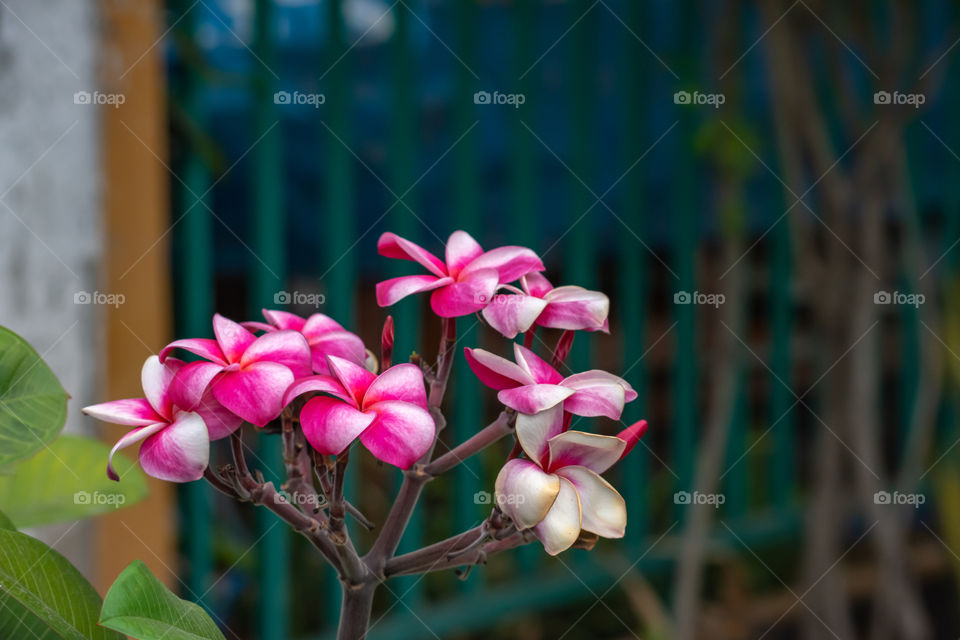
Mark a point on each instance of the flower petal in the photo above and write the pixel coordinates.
(178, 453)
(284, 319)
(128, 439)
(461, 250)
(321, 383)
(511, 315)
(509, 262)
(390, 245)
(354, 378)
(494, 371)
(574, 308)
(534, 398)
(536, 366)
(598, 393)
(318, 324)
(536, 284)
(135, 412)
(191, 382)
(603, 510)
(203, 347)
(255, 393)
(253, 325)
(232, 338)
(330, 425)
(470, 293)
(343, 344)
(396, 289)
(399, 382)
(632, 434)
(533, 432)
(288, 348)
(155, 378)
(401, 433)
(595, 452)
(220, 421)
(525, 493)
(560, 528)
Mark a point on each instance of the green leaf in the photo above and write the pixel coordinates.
(43, 596)
(139, 605)
(33, 405)
(68, 481)
(5, 522)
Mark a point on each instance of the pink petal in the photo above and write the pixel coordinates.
(131, 437)
(342, 344)
(220, 421)
(232, 338)
(255, 393)
(603, 510)
(400, 434)
(574, 308)
(494, 371)
(396, 289)
(155, 378)
(251, 325)
(525, 493)
(354, 378)
(534, 398)
(288, 348)
(511, 315)
(399, 382)
(471, 293)
(560, 528)
(178, 453)
(284, 319)
(536, 284)
(461, 250)
(203, 347)
(595, 452)
(321, 383)
(330, 425)
(632, 434)
(598, 393)
(533, 432)
(509, 262)
(536, 366)
(391, 245)
(191, 382)
(318, 324)
(135, 412)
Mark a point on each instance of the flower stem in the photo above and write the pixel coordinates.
(480, 440)
(355, 608)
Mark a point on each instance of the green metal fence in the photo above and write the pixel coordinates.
(652, 251)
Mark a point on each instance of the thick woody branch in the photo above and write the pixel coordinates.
(497, 429)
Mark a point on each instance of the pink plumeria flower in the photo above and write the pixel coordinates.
(176, 430)
(531, 387)
(560, 493)
(462, 285)
(539, 303)
(324, 335)
(248, 375)
(388, 413)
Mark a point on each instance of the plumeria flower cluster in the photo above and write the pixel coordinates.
(315, 384)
